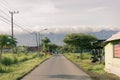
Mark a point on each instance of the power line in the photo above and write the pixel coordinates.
(4, 1)
(4, 7)
(4, 21)
(21, 22)
(28, 30)
(8, 22)
(2, 18)
(22, 28)
(4, 4)
(19, 25)
(4, 13)
(5, 18)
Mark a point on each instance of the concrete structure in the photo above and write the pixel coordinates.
(112, 54)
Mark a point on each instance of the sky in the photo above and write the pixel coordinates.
(60, 16)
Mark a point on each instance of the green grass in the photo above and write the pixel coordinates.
(17, 70)
(4, 69)
(96, 71)
(8, 59)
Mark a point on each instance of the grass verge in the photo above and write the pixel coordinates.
(17, 71)
(96, 71)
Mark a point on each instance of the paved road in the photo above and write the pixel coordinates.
(57, 68)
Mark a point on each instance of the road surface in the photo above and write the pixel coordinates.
(57, 68)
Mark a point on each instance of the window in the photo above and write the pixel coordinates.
(117, 50)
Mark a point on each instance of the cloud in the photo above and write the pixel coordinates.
(65, 16)
(46, 8)
(96, 9)
(76, 29)
(63, 29)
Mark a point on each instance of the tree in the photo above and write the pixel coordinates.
(72, 41)
(52, 47)
(45, 42)
(79, 41)
(6, 41)
(66, 48)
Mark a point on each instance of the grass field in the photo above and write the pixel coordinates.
(96, 71)
(21, 67)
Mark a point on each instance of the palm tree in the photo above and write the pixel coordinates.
(6, 41)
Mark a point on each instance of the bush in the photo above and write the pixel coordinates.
(42, 55)
(3, 69)
(8, 60)
(22, 58)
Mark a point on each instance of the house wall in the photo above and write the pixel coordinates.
(112, 65)
(108, 56)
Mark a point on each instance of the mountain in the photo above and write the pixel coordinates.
(103, 34)
(30, 39)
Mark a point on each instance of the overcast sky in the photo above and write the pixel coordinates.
(60, 16)
(56, 15)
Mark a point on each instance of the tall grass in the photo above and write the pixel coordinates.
(77, 55)
(8, 59)
(17, 71)
(4, 69)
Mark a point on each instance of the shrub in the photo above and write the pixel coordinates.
(35, 55)
(22, 58)
(42, 55)
(8, 60)
(3, 69)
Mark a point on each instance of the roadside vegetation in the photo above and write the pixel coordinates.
(89, 55)
(15, 66)
(95, 70)
(17, 61)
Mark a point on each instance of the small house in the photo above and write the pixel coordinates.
(112, 54)
(33, 49)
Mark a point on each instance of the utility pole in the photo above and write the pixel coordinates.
(39, 37)
(40, 42)
(37, 42)
(12, 29)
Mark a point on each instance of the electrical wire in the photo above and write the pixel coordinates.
(7, 14)
(4, 21)
(4, 5)
(4, 13)
(18, 27)
(22, 28)
(8, 22)
(5, 18)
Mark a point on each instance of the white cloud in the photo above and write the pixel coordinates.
(76, 29)
(96, 9)
(64, 29)
(73, 13)
(62, 16)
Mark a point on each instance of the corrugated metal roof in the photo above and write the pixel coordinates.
(114, 37)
